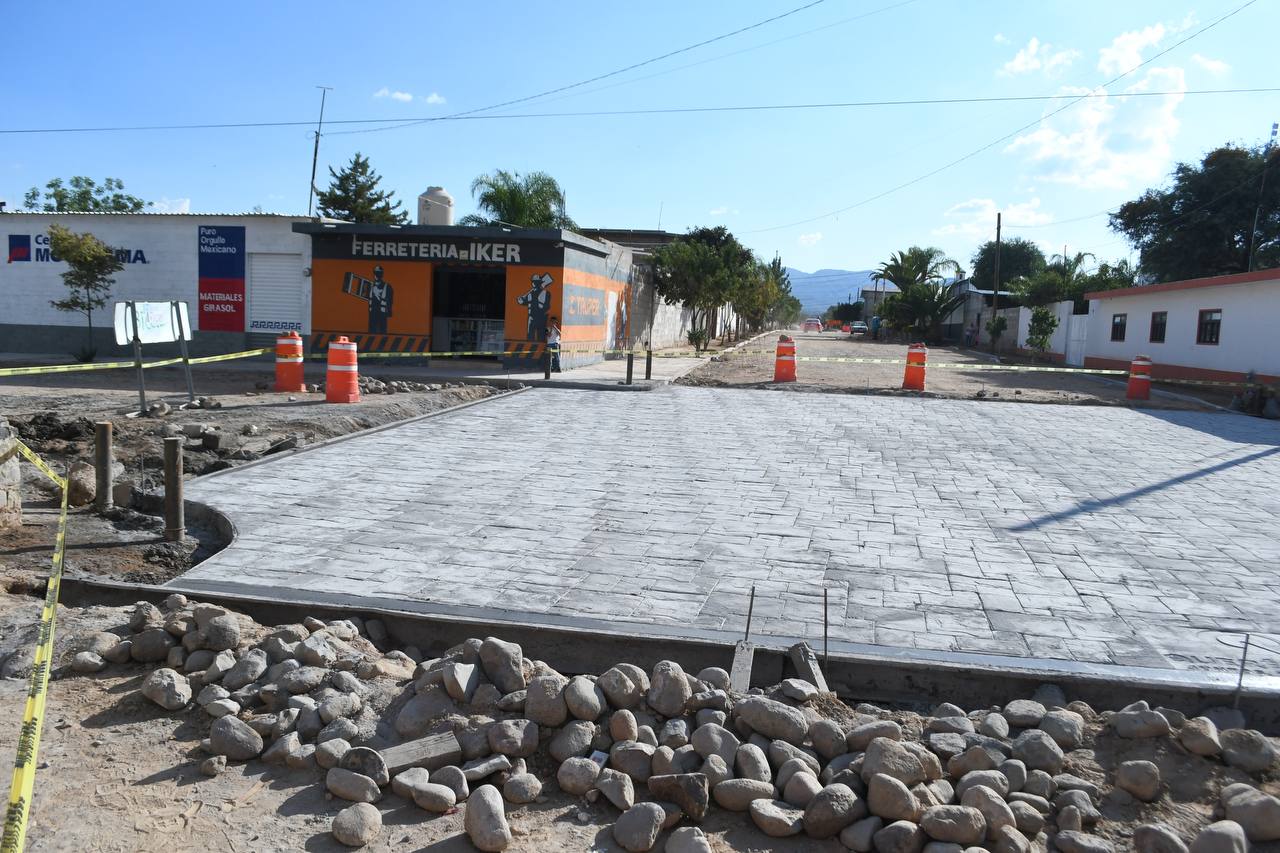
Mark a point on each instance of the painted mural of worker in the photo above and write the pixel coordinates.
(538, 301)
(380, 297)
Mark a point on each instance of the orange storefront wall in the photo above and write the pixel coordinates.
(586, 318)
(335, 311)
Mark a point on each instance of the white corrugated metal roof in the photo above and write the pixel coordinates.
(301, 216)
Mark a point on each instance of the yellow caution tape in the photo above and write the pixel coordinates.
(118, 365)
(64, 368)
(35, 460)
(320, 356)
(24, 768)
(206, 359)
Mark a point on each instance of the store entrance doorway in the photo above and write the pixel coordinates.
(469, 310)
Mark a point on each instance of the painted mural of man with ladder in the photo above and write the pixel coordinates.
(538, 301)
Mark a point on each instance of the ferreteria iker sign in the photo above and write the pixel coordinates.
(362, 246)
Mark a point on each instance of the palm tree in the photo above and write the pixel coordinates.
(924, 299)
(534, 200)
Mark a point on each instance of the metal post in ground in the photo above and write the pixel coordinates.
(546, 363)
(137, 359)
(177, 308)
(1244, 662)
(102, 462)
(175, 524)
(826, 654)
(648, 363)
(631, 358)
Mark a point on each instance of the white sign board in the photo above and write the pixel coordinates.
(158, 322)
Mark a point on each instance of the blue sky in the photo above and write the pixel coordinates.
(750, 171)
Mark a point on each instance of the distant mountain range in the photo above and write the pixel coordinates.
(821, 289)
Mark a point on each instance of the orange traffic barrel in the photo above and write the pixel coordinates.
(289, 363)
(784, 364)
(913, 376)
(342, 379)
(1139, 378)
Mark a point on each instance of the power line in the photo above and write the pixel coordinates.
(709, 59)
(597, 78)
(1011, 134)
(899, 102)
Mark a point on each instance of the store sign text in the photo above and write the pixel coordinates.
(495, 252)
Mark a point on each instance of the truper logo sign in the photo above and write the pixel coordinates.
(19, 247)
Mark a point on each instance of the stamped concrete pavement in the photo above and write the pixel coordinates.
(1081, 539)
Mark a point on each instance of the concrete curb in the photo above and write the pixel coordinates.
(855, 671)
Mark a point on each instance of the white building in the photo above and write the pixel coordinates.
(244, 277)
(1219, 328)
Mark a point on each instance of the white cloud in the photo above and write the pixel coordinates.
(1001, 38)
(434, 98)
(1215, 67)
(809, 239)
(976, 218)
(718, 211)
(1125, 50)
(171, 205)
(1037, 56)
(1110, 140)
(402, 97)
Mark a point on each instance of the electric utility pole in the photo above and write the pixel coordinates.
(315, 152)
(1253, 235)
(995, 288)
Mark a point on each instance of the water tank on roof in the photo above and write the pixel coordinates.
(435, 207)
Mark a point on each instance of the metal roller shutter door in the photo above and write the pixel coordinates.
(276, 286)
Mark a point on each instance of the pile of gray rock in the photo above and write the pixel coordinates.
(484, 728)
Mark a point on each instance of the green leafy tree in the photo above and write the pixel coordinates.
(91, 268)
(534, 200)
(925, 298)
(995, 328)
(703, 270)
(1019, 258)
(787, 312)
(1202, 224)
(353, 196)
(844, 312)
(1041, 328)
(1110, 276)
(83, 195)
(1062, 278)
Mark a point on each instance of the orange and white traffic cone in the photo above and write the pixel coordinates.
(784, 364)
(913, 376)
(1139, 378)
(289, 363)
(342, 379)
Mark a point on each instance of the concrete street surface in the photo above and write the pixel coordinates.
(754, 367)
(1075, 537)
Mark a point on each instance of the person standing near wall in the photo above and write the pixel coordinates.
(553, 344)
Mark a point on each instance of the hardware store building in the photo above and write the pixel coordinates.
(487, 291)
(247, 278)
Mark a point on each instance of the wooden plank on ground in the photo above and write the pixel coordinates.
(431, 752)
(740, 675)
(806, 664)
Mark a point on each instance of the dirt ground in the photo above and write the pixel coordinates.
(117, 773)
(55, 414)
(753, 368)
